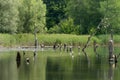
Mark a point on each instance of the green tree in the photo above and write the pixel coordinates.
(8, 16)
(85, 13)
(66, 26)
(32, 16)
(110, 9)
(56, 10)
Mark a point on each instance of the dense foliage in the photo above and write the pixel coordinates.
(46, 39)
(85, 13)
(22, 16)
(111, 21)
(8, 16)
(32, 15)
(86, 16)
(56, 10)
(59, 16)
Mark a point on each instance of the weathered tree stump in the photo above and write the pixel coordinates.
(111, 49)
(55, 46)
(95, 46)
(36, 43)
(65, 46)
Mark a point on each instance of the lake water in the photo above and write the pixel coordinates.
(53, 65)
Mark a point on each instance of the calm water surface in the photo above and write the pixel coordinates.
(45, 67)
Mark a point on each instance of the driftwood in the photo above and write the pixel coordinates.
(87, 43)
(102, 23)
(89, 38)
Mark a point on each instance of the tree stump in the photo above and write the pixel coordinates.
(111, 49)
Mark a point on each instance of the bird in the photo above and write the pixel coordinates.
(27, 60)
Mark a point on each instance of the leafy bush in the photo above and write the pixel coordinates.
(65, 26)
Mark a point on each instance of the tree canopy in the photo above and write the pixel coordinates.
(32, 15)
(56, 11)
(59, 16)
(8, 16)
(85, 13)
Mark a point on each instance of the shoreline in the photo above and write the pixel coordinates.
(18, 40)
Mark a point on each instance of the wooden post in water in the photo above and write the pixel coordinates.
(35, 41)
(111, 49)
(65, 46)
(55, 46)
(95, 46)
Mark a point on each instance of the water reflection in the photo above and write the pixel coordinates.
(78, 69)
(8, 66)
(111, 71)
(32, 69)
(18, 59)
(67, 69)
(34, 55)
(57, 68)
(87, 58)
(18, 64)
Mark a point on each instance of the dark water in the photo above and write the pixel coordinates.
(56, 67)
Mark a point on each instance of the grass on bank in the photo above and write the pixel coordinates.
(105, 38)
(49, 39)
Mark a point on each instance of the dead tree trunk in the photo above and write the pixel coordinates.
(89, 38)
(111, 49)
(36, 42)
(95, 46)
(112, 57)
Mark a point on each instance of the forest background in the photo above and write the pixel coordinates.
(78, 17)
